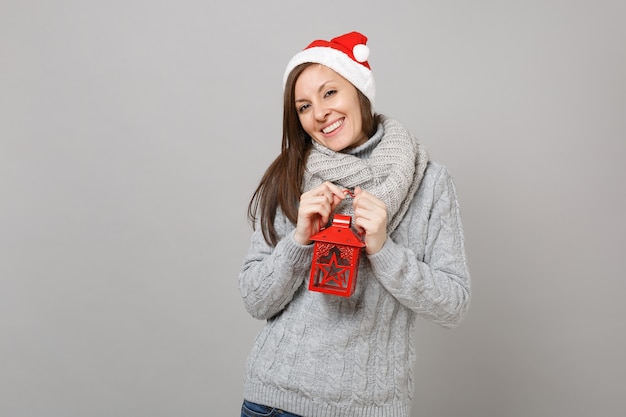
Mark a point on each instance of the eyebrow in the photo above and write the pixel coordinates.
(321, 87)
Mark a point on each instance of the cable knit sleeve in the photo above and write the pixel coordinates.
(270, 276)
(424, 265)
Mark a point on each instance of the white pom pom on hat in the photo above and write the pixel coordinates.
(347, 55)
(361, 52)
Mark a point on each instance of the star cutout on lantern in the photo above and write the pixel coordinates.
(334, 272)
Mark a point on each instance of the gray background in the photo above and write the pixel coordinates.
(134, 132)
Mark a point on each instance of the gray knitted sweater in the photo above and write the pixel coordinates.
(321, 355)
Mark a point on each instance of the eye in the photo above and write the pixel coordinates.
(303, 108)
(330, 93)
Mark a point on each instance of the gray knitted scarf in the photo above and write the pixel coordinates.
(392, 173)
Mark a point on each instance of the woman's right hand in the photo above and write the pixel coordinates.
(315, 209)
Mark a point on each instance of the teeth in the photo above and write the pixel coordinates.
(332, 127)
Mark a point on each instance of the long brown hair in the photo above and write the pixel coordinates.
(280, 186)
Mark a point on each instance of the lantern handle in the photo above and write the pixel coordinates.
(349, 192)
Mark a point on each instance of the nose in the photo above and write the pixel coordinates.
(322, 113)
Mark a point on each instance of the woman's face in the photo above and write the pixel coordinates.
(328, 107)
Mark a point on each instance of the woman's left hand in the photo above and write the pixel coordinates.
(370, 215)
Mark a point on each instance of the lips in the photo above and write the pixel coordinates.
(332, 127)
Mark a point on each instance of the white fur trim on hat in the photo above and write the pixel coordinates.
(359, 75)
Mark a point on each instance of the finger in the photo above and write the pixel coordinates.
(316, 213)
(368, 202)
(331, 192)
(335, 190)
(372, 212)
(371, 225)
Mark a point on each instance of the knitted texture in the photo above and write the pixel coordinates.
(393, 172)
(321, 355)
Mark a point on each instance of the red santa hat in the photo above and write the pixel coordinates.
(346, 55)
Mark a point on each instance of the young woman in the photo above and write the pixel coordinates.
(326, 355)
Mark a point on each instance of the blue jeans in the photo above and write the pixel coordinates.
(249, 409)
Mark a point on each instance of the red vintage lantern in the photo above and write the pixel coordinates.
(336, 254)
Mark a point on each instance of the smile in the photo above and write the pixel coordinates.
(333, 127)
